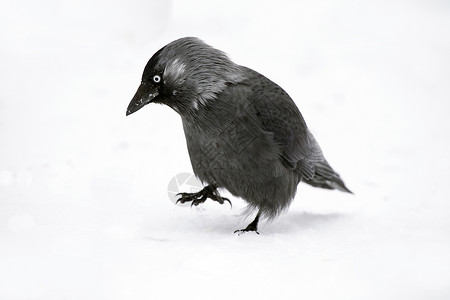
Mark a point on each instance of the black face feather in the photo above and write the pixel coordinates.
(153, 66)
(191, 73)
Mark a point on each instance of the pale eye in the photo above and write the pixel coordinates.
(156, 79)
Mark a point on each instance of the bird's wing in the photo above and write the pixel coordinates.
(280, 117)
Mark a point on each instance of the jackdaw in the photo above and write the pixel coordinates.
(243, 132)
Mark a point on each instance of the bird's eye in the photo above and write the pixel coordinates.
(156, 79)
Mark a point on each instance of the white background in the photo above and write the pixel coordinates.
(84, 209)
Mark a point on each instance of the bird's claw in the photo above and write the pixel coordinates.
(222, 200)
(226, 199)
(200, 197)
(186, 197)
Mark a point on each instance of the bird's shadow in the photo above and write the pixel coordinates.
(298, 221)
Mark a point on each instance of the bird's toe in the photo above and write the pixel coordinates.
(241, 231)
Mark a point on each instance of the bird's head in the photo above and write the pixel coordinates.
(186, 75)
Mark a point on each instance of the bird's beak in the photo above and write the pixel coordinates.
(144, 95)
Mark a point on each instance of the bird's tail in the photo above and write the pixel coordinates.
(325, 177)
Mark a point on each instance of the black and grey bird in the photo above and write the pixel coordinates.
(243, 132)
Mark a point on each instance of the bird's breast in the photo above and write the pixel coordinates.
(235, 151)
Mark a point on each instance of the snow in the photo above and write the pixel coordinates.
(85, 192)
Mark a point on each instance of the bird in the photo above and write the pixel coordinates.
(243, 132)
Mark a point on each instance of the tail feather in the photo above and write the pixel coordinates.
(325, 177)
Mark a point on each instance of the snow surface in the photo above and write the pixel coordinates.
(84, 206)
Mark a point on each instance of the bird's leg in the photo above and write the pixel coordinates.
(253, 226)
(209, 191)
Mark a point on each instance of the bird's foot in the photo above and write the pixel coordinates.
(253, 226)
(247, 229)
(200, 197)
